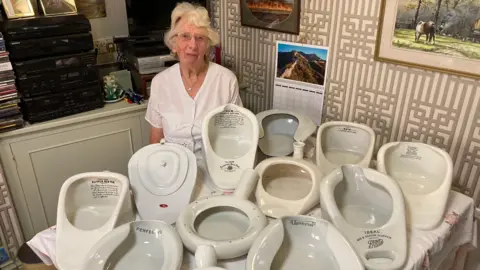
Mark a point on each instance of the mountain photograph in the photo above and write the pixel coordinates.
(301, 63)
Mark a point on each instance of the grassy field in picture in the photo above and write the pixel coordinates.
(405, 38)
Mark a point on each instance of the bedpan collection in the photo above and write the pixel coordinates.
(148, 220)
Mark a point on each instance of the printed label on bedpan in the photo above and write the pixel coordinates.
(347, 130)
(295, 222)
(373, 238)
(103, 188)
(229, 166)
(412, 152)
(148, 231)
(229, 119)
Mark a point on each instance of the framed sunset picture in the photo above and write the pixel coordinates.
(276, 15)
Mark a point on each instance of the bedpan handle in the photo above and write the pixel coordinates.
(248, 181)
(298, 150)
(205, 256)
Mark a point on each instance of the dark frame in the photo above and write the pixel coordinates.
(289, 25)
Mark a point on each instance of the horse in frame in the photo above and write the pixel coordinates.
(427, 29)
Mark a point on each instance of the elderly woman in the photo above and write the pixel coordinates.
(182, 94)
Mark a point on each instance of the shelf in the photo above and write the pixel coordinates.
(108, 110)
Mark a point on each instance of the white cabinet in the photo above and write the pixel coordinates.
(39, 158)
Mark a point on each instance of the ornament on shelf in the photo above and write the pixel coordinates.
(112, 91)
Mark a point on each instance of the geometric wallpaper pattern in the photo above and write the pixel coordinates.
(398, 102)
(10, 233)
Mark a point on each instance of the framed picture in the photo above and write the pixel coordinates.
(280, 15)
(58, 7)
(18, 8)
(92, 8)
(435, 35)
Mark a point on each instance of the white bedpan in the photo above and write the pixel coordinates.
(145, 245)
(301, 242)
(162, 177)
(424, 173)
(279, 129)
(340, 143)
(228, 223)
(89, 206)
(230, 140)
(206, 258)
(287, 185)
(368, 208)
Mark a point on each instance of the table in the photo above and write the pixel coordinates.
(433, 249)
(426, 248)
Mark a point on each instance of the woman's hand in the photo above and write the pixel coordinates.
(156, 134)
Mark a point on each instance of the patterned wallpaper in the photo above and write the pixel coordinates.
(398, 102)
(10, 233)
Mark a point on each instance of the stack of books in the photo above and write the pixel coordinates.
(10, 113)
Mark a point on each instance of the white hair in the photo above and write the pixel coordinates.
(195, 15)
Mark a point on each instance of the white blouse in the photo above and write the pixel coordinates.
(172, 109)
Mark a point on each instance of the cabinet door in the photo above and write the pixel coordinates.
(45, 162)
(145, 131)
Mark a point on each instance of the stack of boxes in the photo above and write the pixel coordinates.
(52, 76)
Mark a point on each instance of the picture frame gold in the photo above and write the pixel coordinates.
(397, 41)
(18, 8)
(58, 7)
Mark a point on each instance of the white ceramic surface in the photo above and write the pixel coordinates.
(228, 223)
(302, 242)
(340, 143)
(298, 150)
(368, 208)
(89, 206)
(287, 186)
(162, 177)
(279, 129)
(145, 245)
(230, 140)
(424, 172)
(206, 258)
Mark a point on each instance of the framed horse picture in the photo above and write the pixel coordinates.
(436, 35)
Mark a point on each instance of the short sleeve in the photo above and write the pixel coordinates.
(153, 115)
(235, 93)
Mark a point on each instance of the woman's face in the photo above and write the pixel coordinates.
(191, 44)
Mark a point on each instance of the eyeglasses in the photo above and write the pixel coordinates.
(185, 37)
